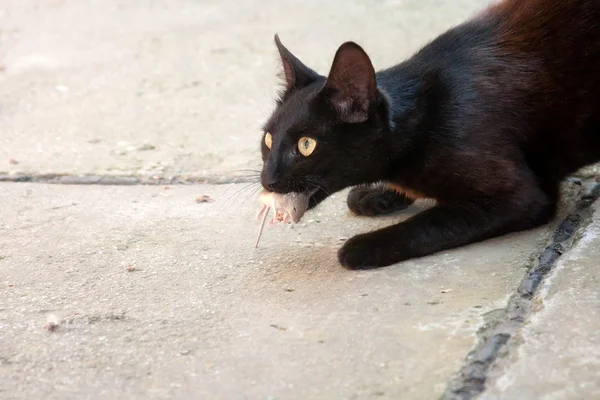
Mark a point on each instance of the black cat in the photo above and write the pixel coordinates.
(487, 119)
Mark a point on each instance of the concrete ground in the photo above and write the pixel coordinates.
(139, 291)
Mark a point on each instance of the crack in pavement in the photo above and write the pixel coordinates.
(66, 179)
(495, 336)
(125, 180)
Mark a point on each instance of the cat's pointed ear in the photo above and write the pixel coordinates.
(297, 75)
(351, 86)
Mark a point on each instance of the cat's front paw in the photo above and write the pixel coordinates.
(364, 252)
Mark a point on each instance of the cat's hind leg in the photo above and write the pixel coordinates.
(376, 200)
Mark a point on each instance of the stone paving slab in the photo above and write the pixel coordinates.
(158, 296)
(173, 88)
(560, 354)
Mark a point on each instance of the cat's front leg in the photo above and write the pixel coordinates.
(373, 200)
(447, 226)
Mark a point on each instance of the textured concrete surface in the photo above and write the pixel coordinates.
(141, 292)
(205, 315)
(560, 356)
(173, 88)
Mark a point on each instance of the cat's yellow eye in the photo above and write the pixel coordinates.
(268, 140)
(306, 146)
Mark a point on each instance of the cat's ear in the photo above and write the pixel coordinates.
(297, 75)
(351, 86)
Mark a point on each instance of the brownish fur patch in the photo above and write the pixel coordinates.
(410, 193)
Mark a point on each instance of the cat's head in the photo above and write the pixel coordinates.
(325, 133)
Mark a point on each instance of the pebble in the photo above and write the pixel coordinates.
(204, 199)
(52, 323)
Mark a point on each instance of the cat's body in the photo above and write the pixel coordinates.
(487, 119)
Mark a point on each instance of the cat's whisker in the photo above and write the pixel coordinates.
(239, 192)
(262, 111)
(245, 175)
(243, 190)
(245, 170)
(317, 187)
(249, 177)
(226, 191)
(252, 193)
(316, 184)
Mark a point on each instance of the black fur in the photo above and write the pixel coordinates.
(373, 200)
(487, 119)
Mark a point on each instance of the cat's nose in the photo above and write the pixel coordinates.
(271, 176)
(270, 184)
